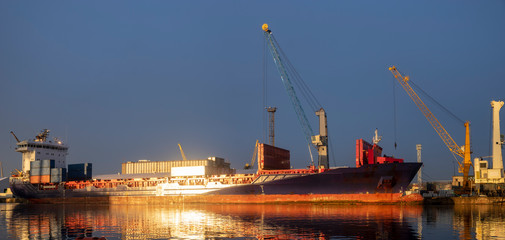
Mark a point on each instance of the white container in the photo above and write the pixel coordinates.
(188, 171)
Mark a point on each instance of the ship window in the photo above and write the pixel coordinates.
(483, 165)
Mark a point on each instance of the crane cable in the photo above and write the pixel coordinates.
(436, 102)
(296, 78)
(432, 100)
(394, 110)
(455, 158)
(331, 150)
(308, 96)
(264, 80)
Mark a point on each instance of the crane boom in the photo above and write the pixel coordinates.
(464, 167)
(320, 142)
(182, 153)
(15, 136)
(255, 152)
(304, 122)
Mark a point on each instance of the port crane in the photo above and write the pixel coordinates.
(320, 141)
(182, 153)
(463, 152)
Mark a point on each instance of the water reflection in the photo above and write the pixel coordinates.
(25, 221)
(480, 222)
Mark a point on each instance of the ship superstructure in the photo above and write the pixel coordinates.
(41, 148)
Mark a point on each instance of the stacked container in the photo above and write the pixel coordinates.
(79, 171)
(58, 175)
(40, 171)
(273, 158)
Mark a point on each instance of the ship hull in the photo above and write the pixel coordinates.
(370, 183)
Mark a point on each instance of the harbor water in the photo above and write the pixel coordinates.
(249, 221)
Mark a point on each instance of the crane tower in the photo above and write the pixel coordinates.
(271, 126)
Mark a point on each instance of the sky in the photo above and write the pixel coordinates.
(126, 80)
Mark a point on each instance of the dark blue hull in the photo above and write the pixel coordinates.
(377, 178)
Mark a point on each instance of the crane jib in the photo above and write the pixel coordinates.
(302, 118)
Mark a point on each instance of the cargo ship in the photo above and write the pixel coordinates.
(376, 178)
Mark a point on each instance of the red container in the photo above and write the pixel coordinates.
(273, 158)
(366, 153)
(362, 153)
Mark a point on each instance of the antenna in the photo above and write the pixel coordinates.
(376, 138)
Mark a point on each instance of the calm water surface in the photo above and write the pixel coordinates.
(68, 221)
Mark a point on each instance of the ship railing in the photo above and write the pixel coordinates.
(288, 171)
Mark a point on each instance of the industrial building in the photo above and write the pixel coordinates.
(213, 166)
(483, 172)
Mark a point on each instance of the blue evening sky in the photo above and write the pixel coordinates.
(128, 80)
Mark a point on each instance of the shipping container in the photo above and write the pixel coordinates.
(35, 179)
(58, 175)
(34, 164)
(56, 179)
(47, 163)
(35, 172)
(79, 171)
(40, 171)
(189, 171)
(45, 178)
(45, 171)
(273, 158)
(166, 166)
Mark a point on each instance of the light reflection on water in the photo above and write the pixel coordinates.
(68, 221)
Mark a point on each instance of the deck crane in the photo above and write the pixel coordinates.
(320, 142)
(463, 152)
(17, 139)
(255, 152)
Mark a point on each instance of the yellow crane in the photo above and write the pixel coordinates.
(247, 165)
(182, 152)
(463, 152)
